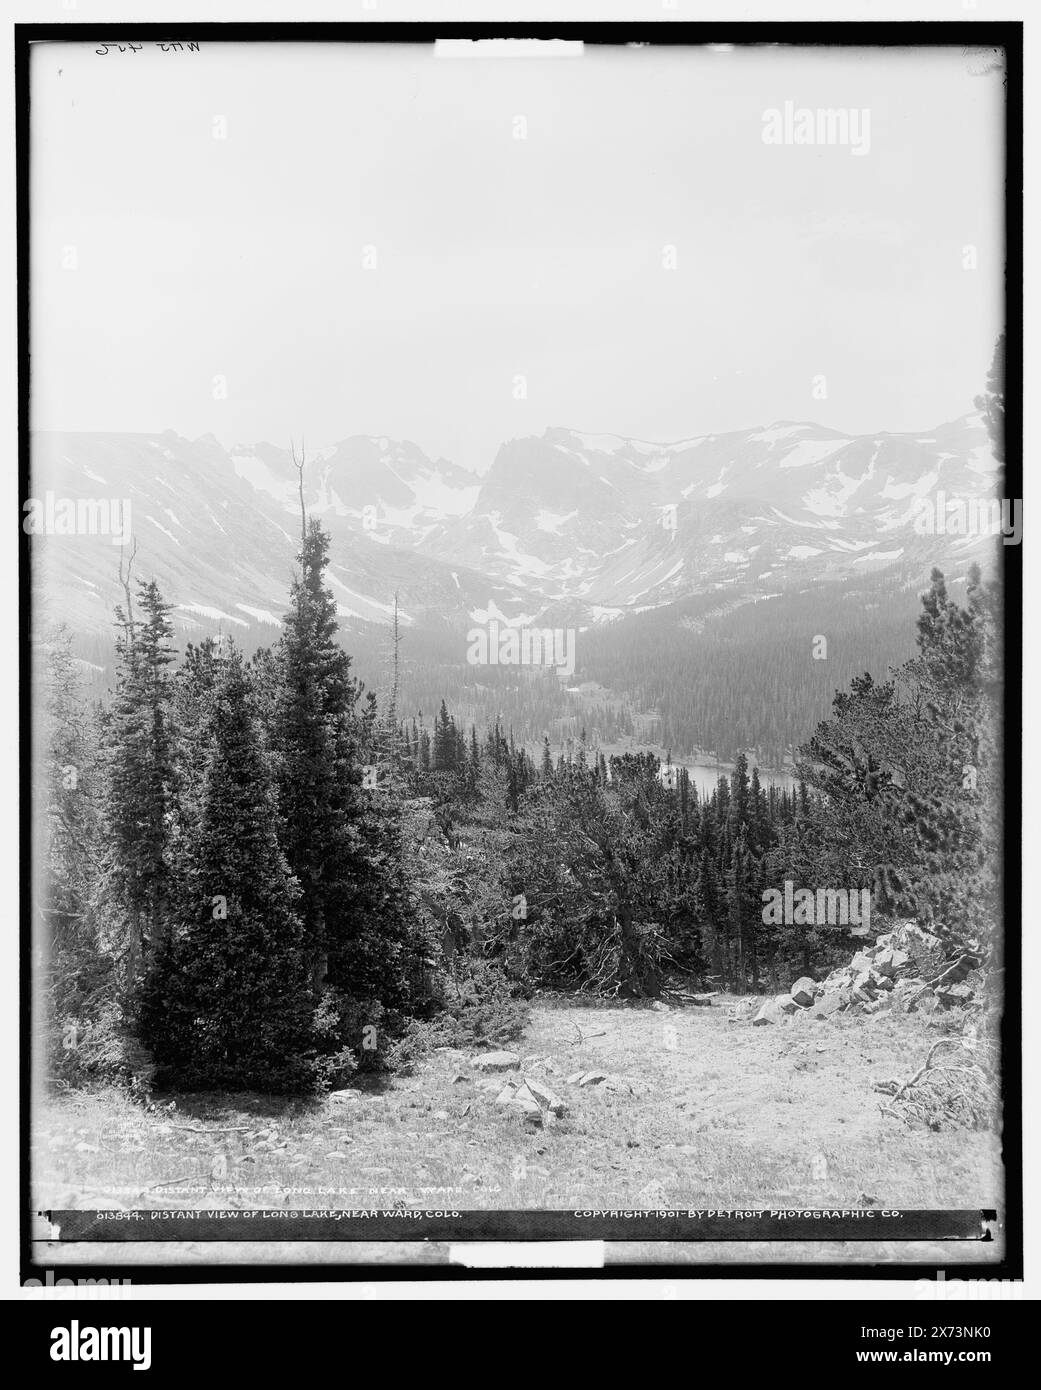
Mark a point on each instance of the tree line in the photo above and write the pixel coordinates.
(257, 878)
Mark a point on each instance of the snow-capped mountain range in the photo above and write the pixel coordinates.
(591, 526)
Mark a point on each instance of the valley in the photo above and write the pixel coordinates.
(694, 577)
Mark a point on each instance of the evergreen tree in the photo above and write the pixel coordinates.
(991, 404)
(342, 840)
(445, 757)
(708, 898)
(140, 794)
(317, 737)
(229, 1003)
(70, 947)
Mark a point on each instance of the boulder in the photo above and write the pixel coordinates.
(925, 950)
(804, 991)
(547, 1099)
(890, 962)
(520, 1098)
(592, 1078)
(769, 1013)
(830, 1003)
(861, 963)
(497, 1061)
(786, 1003)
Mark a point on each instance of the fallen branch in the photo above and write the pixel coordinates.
(956, 971)
(584, 1038)
(946, 1091)
(231, 1129)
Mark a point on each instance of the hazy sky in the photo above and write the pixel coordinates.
(243, 257)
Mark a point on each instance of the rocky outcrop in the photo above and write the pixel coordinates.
(907, 969)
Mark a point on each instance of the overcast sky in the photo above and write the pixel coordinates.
(198, 257)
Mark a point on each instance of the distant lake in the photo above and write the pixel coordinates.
(703, 775)
(705, 778)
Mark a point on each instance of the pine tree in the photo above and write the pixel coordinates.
(445, 750)
(342, 841)
(68, 941)
(991, 404)
(740, 811)
(707, 898)
(229, 1003)
(66, 802)
(140, 796)
(317, 738)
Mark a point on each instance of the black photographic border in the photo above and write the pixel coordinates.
(905, 34)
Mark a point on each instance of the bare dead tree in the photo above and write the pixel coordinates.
(299, 465)
(127, 617)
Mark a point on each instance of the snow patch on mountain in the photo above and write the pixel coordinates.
(776, 433)
(433, 494)
(205, 610)
(982, 460)
(809, 451)
(880, 555)
(163, 529)
(553, 521)
(494, 613)
(371, 603)
(259, 475)
(262, 615)
(896, 492)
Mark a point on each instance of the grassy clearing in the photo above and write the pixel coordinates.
(716, 1114)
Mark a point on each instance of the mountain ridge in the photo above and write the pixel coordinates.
(597, 525)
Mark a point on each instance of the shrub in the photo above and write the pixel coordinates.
(99, 1046)
(481, 1007)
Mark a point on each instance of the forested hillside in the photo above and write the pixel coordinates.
(259, 876)
(714, 673)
